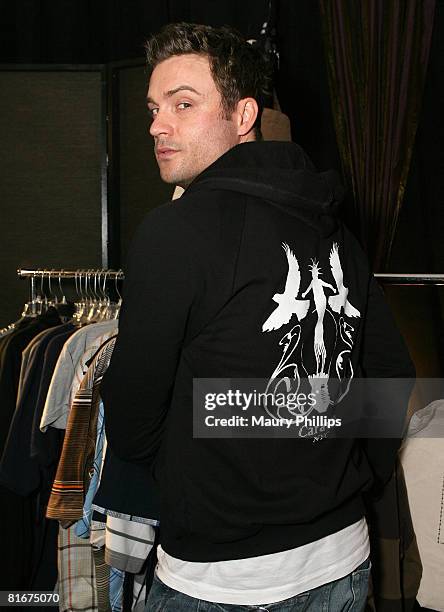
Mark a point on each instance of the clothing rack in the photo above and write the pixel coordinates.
(86, 273)
(411, 279)
(69, 273)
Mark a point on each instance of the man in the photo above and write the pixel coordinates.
(248, 268)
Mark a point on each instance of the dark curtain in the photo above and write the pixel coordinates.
(377, 55)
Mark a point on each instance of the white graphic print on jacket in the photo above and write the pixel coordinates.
(312, 359)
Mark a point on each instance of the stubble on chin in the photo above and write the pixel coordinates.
(175, 177)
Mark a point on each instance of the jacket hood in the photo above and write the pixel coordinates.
(282, 174)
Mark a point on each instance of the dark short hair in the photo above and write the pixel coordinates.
(239, 69)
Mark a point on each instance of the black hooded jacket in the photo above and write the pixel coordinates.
(201, 301)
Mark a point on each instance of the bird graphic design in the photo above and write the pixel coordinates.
(321, 332)
(336, 302)
(288, 304)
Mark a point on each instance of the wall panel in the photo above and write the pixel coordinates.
(50, 165)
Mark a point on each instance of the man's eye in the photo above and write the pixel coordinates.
(153, 112)
(184, 105)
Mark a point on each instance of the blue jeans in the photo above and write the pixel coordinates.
(347, 594)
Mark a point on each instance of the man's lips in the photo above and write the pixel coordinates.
(165, 152)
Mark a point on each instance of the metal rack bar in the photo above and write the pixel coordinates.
(80, 273)
(411, 279)
(110, 274)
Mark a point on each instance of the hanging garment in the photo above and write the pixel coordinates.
(422, 457)
(11, 359)
(19, 471)
(74, 469)
(23, 474)
(396, 564)
(76, 573)
(23, 322)
(42, 446)
(83, 525)
(18, 513)
(84, 343)
(109, 580)
(27, 356)
(128, 542)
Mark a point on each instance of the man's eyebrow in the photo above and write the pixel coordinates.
(171, 92)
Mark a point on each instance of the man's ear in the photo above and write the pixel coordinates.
(246, 113)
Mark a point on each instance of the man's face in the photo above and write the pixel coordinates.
(189, 128)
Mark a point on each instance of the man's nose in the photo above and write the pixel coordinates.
(161, 124)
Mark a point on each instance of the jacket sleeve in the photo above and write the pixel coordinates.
(384, 355)
(160, 286)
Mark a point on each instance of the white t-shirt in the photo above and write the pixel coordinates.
(65, 381)
(269, 578)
